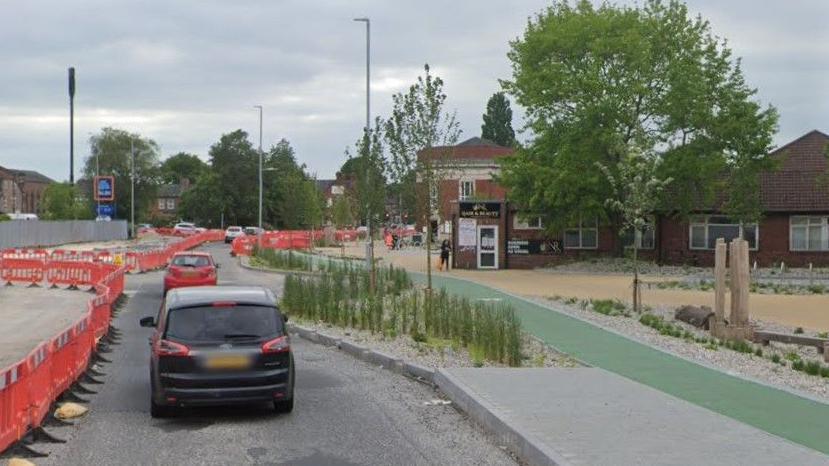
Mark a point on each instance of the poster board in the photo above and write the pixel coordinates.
(467, 229)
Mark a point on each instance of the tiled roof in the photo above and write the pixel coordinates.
(801, 182)
(473, 148)
(31, 176)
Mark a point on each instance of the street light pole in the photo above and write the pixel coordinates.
(71, 125)
(260, 168)
(132, 188)
(369, 239)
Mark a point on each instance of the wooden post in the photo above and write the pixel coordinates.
(739, 283)
(720, 253)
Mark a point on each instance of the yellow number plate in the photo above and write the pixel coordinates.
(228, 362)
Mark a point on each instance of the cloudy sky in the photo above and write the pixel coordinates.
(185, 71)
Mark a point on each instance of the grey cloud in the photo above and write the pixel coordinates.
(184, 72)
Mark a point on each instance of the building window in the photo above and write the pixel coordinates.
(584, 236)
(704, 230)
(171, 204)
(528, 223)
(808, 233)
(467, 189)
(648, 236)
(161, 204)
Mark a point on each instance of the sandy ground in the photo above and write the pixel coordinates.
(807, 311)
(29, 316)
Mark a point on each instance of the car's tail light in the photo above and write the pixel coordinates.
(277, 345)
(171, 348)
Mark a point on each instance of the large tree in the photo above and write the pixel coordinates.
(292, 200)
(234, 163)
(419, 135)
(110, 155)
(180, 166)
(61, 201)
(598, 82)
(497, 125)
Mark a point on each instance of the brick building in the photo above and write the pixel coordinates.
(487, 231)
(21, 190)
(168, 199)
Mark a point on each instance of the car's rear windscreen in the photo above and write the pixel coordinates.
(220, 323)
(191, 261)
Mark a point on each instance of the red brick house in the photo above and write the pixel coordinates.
(168, 199)
(487, 231)
(22, 190)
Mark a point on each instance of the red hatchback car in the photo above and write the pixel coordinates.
(190, 269)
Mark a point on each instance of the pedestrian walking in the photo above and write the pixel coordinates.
(444, 254)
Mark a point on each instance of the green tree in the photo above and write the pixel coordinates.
(367, 172)
(62, 201)
(202, 203)
(292, 200)
(182, 165)
(497, 125)
(419, 135)
(342, 214)
(234, 163)
(636, 189)
(110, 154)
(598, 82)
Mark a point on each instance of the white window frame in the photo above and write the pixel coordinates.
(581, 229)
(650, 225)
(823, 222)
(162, 203)
(171, 204)
(461, 194)
(705, 223)
(533, 222)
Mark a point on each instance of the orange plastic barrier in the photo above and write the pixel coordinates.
(28, 388)
(72, 273)
(29, 271)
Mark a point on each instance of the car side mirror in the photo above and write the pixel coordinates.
(147, 322)
(284, 318)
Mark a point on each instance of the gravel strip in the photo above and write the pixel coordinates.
(437, 355)
(728, 361)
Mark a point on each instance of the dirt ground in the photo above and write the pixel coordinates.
(807, 311)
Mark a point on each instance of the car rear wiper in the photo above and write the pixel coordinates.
(241, 335)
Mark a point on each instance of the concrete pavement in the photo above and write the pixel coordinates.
(588, 416)
(30, 316)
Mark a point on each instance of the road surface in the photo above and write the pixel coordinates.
(347, 412)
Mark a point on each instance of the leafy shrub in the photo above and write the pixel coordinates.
(823, 335)
(608, 307)
(798, 330)
(775, 358)
(798, 365)
(816, 289)
(812, 368)
(792, 356)
(758, 352)
(824, 371)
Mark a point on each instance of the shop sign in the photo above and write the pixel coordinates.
(481, 209)
(521, 247)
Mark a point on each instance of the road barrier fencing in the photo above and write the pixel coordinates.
(29, 387)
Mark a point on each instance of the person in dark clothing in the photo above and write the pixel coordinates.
(444, 254)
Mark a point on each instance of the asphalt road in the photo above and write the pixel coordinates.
(347, 412)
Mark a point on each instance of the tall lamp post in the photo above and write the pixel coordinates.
(132, 188)
(71, 125)
(259, 232)
(369, 242)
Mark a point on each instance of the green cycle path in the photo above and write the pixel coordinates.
(778, 412)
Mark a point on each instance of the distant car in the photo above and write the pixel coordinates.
(103, 218)
(18, 216)
(219, 346)
(252, 231)
(190, 268)
(146, 226)
(184, 229)
(200, 229)
(232, 233)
